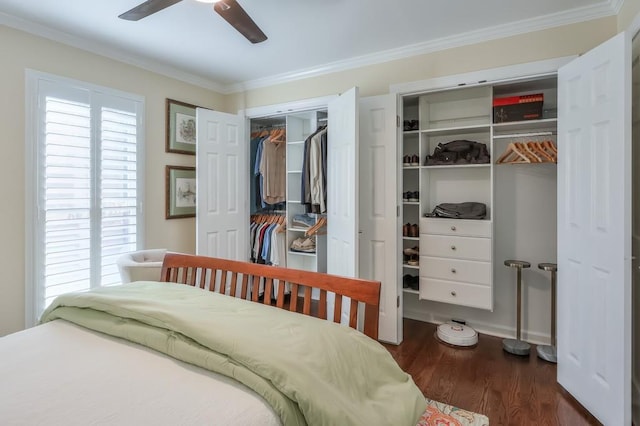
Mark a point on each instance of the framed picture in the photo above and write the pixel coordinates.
(181, 192)
(181, 127)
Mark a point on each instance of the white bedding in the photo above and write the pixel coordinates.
(67, 375)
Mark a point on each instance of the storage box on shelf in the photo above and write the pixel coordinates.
(518, 108)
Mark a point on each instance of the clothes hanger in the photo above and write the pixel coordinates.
(316, 227)
(512, 155)
(538, 149)
(526, 150)
(550, 147)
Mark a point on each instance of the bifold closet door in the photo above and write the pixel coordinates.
(594, 230)
(378, 206)
(342, 190)
(342, 185)
(222, 217)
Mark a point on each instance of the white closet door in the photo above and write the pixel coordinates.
(378, 207)
(594, 230)
(342, 185)
(222, 218)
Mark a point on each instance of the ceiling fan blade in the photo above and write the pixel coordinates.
(234, 14)
(147, 8)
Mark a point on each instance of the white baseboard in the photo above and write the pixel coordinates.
(480, 327)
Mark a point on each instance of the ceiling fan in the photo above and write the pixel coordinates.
(230, 11)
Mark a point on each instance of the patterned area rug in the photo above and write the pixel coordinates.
(440, 414)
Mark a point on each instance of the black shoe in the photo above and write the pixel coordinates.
(414, 283)
(406, 281)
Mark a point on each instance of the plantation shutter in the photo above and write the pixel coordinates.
(88, 191)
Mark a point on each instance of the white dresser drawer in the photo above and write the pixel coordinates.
(476, 296)
(461, 227)
(455, 247)
(456, 270)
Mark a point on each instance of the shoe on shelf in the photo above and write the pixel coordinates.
(405, 196)
(414, 196)
(406, 281)
(413, 260)
(406, 160)
(414, 231)
(405, 229)
(414, 282)
(411, 251)
(415, 160)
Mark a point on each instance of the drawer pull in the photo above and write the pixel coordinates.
(453, 270)
(453, 228)
(453, 248)
(453, 293)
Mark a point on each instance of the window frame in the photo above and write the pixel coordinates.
(34, 227)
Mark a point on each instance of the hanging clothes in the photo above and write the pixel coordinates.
(314, 172)
(269, 168)
(273, 170)
(268, 245)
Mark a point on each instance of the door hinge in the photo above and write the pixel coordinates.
(397, 121)
(397, 211)
(398, 301)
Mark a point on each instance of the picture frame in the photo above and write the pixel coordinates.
(180, 127)
(180, 192)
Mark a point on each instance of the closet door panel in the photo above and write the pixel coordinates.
(379, 254)
(594, 230)
(222, 186)
(342, 182)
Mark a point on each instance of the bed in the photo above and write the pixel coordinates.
(234, 344)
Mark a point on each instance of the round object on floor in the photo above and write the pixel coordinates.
(457, 334)
(548, 353)
(516, 347)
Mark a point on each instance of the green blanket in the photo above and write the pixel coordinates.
(310, 371)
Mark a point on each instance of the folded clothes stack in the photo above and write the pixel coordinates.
(303, 221)
(304, 245)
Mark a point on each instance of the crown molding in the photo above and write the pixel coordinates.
(472, 37)
(109, 52)
(616, 5)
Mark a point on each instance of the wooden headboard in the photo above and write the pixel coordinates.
(232, 278)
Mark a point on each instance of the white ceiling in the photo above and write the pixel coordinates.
(306, 37)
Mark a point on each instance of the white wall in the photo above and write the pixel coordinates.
(629, 10)
(19, 51)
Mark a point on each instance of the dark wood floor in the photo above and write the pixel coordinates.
(510, 390)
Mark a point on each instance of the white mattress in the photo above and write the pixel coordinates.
(62, 374)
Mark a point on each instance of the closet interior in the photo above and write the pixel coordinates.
(504, 165)
(288, 190)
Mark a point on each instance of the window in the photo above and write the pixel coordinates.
(84, 187)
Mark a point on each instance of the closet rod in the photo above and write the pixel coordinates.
(523, 135)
